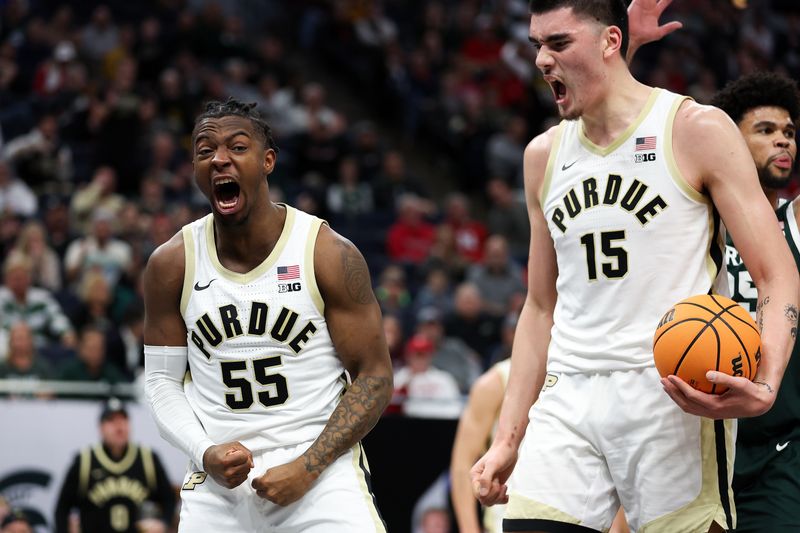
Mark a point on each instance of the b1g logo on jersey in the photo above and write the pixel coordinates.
(289, 287)
(644, 158)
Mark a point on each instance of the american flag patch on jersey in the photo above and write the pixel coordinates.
(288, 272)
(645, 143)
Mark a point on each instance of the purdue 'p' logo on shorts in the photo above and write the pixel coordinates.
(549, 381)
(197, 478)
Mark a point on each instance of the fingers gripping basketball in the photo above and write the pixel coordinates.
(707, 332)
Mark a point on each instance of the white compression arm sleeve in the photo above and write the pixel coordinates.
(164, 368)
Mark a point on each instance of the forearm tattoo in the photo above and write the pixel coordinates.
(760, 313)
(356, 414)
(791, 314)
(356, 274)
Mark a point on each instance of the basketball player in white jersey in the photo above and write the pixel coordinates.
(274, 314)
(476, 427)
(625, 199)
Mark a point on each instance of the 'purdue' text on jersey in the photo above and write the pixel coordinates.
(263, 366)
(630, 239)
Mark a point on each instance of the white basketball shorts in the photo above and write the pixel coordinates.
(339, 501)
(597, 441)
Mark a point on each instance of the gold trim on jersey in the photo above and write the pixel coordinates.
(149, 467)
(85, 468)
(551, 161)
(672, 164)
(625, 135)
(707, 506)
(503, 368)
(188, 269)
(116, 467)
(690, 192)
(311, 276)
(265, 265)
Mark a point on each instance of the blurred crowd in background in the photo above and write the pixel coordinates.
(401, 122)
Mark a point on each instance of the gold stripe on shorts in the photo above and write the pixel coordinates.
(717, 446)
(364, 480)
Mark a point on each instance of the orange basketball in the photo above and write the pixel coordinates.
(707, 332)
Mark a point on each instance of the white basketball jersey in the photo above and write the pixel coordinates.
(263, 367)
(632, 237)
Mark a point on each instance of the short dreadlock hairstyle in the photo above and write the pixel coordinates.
(759, 89)
(608, 12)
(217, 109)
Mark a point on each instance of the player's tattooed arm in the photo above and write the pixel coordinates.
(791, 315)
(356, 273)
(760, 312)
(356, 414)
(354, 322)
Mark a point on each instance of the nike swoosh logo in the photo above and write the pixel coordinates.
(199, 287)
(565, 167)
(780, 447)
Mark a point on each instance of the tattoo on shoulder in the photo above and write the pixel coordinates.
(356, 273)
(760, 313)
(791, 314)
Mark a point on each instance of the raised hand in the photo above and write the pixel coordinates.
(643, 25)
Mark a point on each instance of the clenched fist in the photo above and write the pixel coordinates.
(285, 484)
(228, 464)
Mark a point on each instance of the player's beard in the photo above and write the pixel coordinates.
(771, 181)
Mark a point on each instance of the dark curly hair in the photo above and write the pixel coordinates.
(217, 109)
(759, 89)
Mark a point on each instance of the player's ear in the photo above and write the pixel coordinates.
(612, 41)
(269, 160)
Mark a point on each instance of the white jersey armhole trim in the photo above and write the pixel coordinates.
(790, 217)
(677, 176)
(693, 194)
(551, 162)
(625, 135)
(503, 368)
(265, 265)
(310, 273)
(189, 265)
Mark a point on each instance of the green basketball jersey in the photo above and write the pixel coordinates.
(782, 422)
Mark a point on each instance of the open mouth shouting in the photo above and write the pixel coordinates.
(226, 193)
(558, 88)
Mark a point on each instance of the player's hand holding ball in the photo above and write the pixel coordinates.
(707, 332)
(228, 464)
(708, 343)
